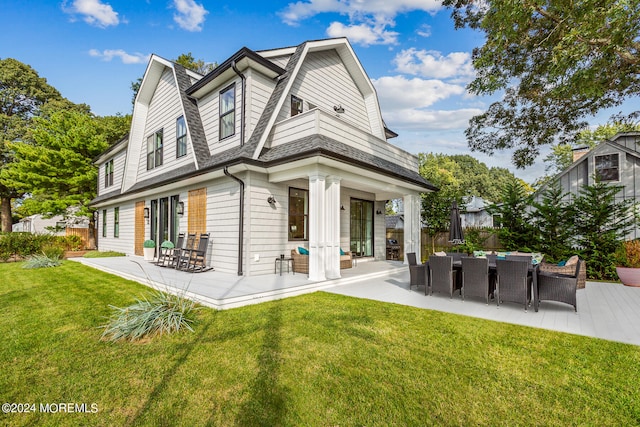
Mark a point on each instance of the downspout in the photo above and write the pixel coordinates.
(241, 219)
(242, 109)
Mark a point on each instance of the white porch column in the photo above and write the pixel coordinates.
(332, 252)
(412, 205)
(317, 221)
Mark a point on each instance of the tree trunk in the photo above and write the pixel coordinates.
(91, 244)
(5, 214)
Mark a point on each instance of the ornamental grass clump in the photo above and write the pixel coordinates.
(159, 313)
(42, 261)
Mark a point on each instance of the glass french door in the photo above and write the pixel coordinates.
(164, 220)
(361, 228)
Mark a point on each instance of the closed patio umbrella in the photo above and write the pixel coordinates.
(455, 229)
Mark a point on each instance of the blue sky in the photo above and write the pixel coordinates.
(91, 51)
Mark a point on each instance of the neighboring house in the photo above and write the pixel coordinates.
(271, 151)
(39, 224)
(474, 213)
(394, 222)
(616, 160)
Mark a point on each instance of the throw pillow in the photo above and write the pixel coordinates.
(342, 252)
(303, 251)
(573, 260)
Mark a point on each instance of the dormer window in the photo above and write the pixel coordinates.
(228, 112)
(296, 105)
(154, 150)
(608, 167)
(108, 173)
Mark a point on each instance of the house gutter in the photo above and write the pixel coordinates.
(241, 219)
(242, 109)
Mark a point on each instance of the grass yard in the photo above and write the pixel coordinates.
(314, 360)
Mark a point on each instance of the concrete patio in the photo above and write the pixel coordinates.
(605, 310)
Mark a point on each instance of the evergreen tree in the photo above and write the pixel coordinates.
(553, 225)
(516, 232)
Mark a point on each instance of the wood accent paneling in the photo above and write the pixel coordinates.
(197, 211)
(139, 228)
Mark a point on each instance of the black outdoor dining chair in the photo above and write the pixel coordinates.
(442, 275)
(557, 287)
(475, 278)
(417, 272)
(513, 282)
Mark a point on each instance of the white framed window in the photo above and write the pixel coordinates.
(607, 167)
(298, 214)
(154, 150)
(116, 222)
(108, 173)
(181, 137)
(228, 112)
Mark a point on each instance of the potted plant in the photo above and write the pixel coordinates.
(149, 249)
(627, 258)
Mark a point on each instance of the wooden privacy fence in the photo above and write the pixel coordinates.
(440, 242)
(82, 232)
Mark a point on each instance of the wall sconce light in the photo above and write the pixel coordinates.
(146, 213)
(180, 209)
(271, 200)
(378, 212)
(341, 207)
(338, 109)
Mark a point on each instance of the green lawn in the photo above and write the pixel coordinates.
(313, 360)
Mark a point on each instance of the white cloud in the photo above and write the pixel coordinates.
(429, 120)
(363, 34)
(94, 12)
(126, 58)
(190, 15)
(368, 19)
(424, 31)
(398, 92)
(429, 63)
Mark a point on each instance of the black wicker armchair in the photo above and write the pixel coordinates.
(417, 272)
(513, 283)
(475, 278)
(442, 275)
(558, 287)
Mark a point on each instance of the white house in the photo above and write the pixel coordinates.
(616, 161)
(270, 151)
(474, 213)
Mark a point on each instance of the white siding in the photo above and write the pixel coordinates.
(324, 81)
(124, 243)
(222, 222)
(281, 61)
(209, 107)
(118, 173)
(259, 90)
(164, 110)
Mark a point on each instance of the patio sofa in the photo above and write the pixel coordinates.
(301, 260)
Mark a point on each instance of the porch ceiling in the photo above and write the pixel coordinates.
(383, 186)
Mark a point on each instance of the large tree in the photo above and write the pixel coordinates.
(55, 166)
(555, 63)
(22, 94)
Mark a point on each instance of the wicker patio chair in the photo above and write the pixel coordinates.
(442, 275)
(417, 272)
(558, 287)
(567, 269)
(196, 259)
(346, 260)
(513, 283)
(475, 278)
(300, 262)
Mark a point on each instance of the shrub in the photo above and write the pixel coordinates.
(41, 261)
(105, 254)
(149, 244)
(628, 254)
(158, 314)
(53, 251)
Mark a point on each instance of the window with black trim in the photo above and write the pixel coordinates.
(181, 137)
(296, 105)
(108, 173)
(298, 214)
(104, 223)
(116, 222)
(608, 167)
(154, 150)
(228, 112)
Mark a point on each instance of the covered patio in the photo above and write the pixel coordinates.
(605, 310)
